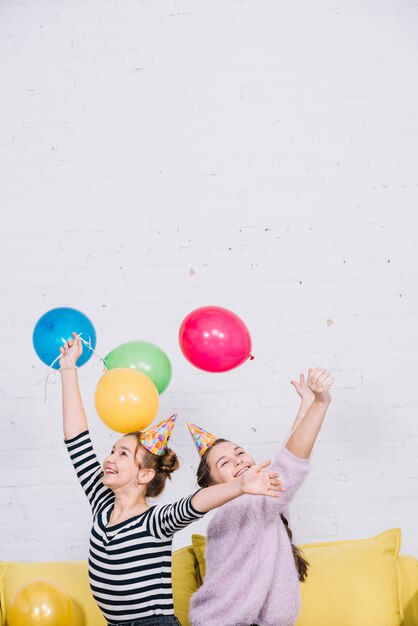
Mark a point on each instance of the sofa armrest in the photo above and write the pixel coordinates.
(3, 569)
(408, 566)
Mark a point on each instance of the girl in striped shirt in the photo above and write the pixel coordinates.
(131, 540)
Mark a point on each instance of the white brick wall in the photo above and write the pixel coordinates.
(160, 155)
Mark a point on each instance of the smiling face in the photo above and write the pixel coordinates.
(121, 468)
(226, 461)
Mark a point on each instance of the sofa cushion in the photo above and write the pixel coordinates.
(186, 580)
(360, 579)
(350, 583)
(199, 547)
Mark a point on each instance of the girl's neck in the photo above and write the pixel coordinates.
(128, 504)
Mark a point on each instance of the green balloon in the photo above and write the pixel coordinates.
(145, 357)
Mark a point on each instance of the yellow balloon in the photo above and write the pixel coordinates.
(40, 603)
(126, 400)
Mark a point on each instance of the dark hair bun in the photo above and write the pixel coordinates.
(169, 462)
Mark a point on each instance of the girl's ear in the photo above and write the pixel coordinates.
(145, 475)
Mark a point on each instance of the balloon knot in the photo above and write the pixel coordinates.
(252, 357)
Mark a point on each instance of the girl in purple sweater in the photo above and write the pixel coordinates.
(252, 568)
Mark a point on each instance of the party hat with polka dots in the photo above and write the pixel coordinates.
(155, 439)
(203, 439)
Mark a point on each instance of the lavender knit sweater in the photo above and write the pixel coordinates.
(251, 576)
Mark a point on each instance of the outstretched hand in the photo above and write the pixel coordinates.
(71, 351)
(257, 482)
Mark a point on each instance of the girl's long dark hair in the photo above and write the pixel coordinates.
(301, 563)
(204, 479)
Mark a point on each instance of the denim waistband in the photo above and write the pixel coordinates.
(155, 620)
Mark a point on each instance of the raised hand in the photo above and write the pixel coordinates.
(71, 352)
(319, 382)
(257, 482)
(303, 390)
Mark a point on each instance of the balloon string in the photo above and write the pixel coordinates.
(53, 372)
(90, 347)
(269, 367)
(45, 379)
(274, 373)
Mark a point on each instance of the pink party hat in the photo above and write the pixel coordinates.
(202, 438)
(155, 439)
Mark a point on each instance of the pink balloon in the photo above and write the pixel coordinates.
(214, 339)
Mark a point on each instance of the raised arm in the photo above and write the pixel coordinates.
(74, 417)
(306, 399)
(254, 481)
(305, 432)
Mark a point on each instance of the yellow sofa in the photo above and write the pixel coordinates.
(351, 583)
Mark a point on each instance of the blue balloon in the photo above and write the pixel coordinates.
(57, 326)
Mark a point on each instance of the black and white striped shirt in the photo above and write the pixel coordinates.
(129, 562)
